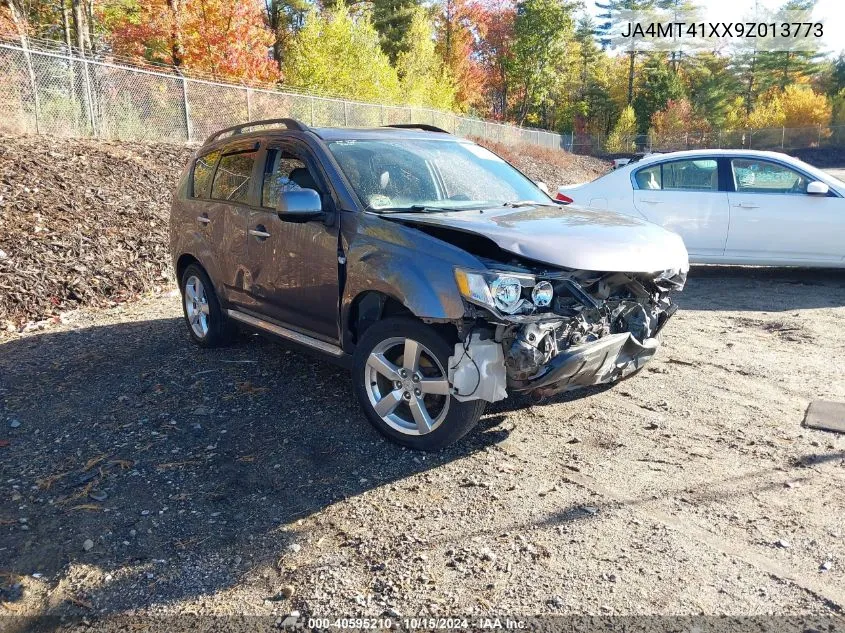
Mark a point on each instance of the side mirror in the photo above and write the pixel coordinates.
(301, 205)
(817, 188)
(543, 187)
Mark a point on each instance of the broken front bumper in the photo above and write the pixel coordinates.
(606, 360)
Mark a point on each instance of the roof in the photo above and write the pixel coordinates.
(705, 153)
(373, 133)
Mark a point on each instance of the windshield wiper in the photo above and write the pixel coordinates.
(417, 208)
(528, 203)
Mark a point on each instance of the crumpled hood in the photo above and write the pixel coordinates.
(570, 237)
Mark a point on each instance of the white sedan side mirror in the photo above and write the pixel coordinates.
(817, 188)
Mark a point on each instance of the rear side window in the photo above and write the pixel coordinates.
(680, 175)
(203, 169)
(233, 176)
(691, 175)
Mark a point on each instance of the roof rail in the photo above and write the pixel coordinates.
(290, 124)
(419, 126)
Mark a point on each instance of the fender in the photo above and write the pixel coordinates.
(413, 268)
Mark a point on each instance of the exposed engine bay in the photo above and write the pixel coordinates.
(567, 328)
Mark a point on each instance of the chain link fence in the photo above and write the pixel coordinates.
(776, 139)
(63, 94)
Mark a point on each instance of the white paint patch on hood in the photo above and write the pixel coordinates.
(570, 237)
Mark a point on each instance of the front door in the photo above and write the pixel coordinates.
(774, 220)
(684, 196)
(293, 266)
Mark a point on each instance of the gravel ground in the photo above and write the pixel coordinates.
(139, 474)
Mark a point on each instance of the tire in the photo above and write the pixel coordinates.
(207, 325)
(418, 411)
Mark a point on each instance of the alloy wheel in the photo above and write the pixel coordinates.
(196, 306)
(407, 386)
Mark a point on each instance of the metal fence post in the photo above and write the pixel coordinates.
(345, 114)
(381, 115)
(189, 135)
(89, 96)
(34, 84)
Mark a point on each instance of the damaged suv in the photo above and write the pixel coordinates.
(441, 275)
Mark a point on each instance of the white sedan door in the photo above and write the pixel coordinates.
(683, 196)
(774, 220)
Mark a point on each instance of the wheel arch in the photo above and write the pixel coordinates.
(182, 263)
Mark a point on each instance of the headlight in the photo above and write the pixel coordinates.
(542, 294)
(501, 291)
(507, 294)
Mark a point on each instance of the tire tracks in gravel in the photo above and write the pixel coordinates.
(835, 597)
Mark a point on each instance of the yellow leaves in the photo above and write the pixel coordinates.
(622, 138)
(796, 106)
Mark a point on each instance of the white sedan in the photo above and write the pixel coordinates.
(730, 206)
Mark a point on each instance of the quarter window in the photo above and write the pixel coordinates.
(203, 169)
(681, 175)
(231, 181)
(760, 176)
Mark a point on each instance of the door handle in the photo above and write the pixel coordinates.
(746, 205)
(203, 219)
(259, 232)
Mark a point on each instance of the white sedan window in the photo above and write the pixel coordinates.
(759, 176)
(681, 175)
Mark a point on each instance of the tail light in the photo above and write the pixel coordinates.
(564, 199)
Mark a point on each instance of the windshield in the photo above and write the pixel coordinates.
(430, 175)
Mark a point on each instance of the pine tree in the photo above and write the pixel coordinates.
(392, 19)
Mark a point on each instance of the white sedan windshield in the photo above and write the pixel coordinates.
(403, 174)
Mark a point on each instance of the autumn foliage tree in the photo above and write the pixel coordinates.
(225, 38)
(337, 54)
(458, 24)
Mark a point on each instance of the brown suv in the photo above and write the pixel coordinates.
(439, 273)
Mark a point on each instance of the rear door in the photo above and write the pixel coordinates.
(774, 219)
(292, 272)
(233, 192)
(685, 196)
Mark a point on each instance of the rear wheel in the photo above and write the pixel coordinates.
(207, 324)
(401, 380)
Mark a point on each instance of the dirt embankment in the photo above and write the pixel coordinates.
(84, 222)
(551, 166)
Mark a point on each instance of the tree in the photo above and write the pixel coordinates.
(423, 79)
(225, 38)
(457, 24)
(393, 19)
(541, 28)
(495, 52)
(711, 86)
(796, 106)
(335, 54)
(623, 136)
(284, 18)
(609, 8)
(659, 85)
(673, 122)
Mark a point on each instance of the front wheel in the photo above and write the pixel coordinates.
(401, 380)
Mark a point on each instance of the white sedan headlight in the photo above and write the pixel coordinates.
(502, 291)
